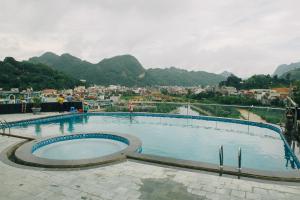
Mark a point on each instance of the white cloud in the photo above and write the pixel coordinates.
(245, 37)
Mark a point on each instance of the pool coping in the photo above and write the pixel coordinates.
(293, 176)
(24, 153)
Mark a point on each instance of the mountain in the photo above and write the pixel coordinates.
(14, 74)
(226, 74)
(292, 74)
(282, 69)
(181, 77)
(125, 70)
(68, 64)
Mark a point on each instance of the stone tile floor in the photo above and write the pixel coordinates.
(130, 180)
(23, 116)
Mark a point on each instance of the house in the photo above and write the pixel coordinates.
(259, 94)
(115, 99)
(228, 90)
(198, 90)
(49, 92)
(283, 92)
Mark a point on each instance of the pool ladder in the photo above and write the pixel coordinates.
(4, 125)
(221, 158)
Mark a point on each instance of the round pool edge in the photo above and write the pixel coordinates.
(24, 154)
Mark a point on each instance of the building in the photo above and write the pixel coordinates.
(49, 92)
(283, 92)
(228, 91)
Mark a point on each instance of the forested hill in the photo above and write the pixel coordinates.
(14, 74)
(284, 69)
(125, 70)
(175, 76)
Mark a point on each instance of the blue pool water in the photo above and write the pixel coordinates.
(189, 139)
(80, 149)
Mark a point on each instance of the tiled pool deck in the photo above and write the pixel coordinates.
(18, 117)
(131, 180)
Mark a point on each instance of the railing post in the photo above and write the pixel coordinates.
(2, 127)
(295, 120)
(239, 161)
(187, 109)
(221, 157)
(7, 125)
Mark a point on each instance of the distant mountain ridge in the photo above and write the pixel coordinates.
(226, 74)
(283, 69)
(125, 70)
(292, 75)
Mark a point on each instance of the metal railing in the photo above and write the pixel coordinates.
(5, 125)
(275, 115)
(221, 159)
(239, 161)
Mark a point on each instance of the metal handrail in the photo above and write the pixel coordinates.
(292, 102)
(240, 160)
(221, 156)
(4, 125)
(208, 104)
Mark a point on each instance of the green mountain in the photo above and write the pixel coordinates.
(181, 77)
(68, 64)
(282, 69)
(292, 75)
(14, 74)
(125, 70)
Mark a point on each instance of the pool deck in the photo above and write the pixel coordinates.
(129, 180)
(18, 117)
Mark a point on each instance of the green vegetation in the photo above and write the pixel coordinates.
(292, 75)
(270, 115)
(174, 76)
(14, 74)
(256, 82)
(218, 111)
(155, 108)
(37, 101)
(296, 92)
(125, 70)
(216, 98)
(283, 69)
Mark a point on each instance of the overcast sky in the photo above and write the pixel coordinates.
(242, 36)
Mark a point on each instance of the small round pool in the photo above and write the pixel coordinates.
(80, 149)
(77, 150)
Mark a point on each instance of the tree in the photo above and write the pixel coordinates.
(232, 81)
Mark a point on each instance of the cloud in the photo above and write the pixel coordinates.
(245, 37)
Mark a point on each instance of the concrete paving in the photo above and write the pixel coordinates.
(128, 181)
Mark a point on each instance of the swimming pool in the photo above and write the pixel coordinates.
(195, 138)
(79, 149)
(76, 150)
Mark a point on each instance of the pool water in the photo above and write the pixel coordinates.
(80, 149)
(189, 139)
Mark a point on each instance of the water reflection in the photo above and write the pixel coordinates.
(38, 129)
(71, 124)
(61, 127)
